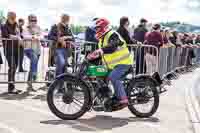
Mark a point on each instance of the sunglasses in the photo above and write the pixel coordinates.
(33, 20)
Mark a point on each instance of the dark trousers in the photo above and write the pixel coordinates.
(140, 61)
(1, 60)
(21, 57)
(12, 59)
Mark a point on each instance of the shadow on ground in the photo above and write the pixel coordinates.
(21, 96)
(25, 95)
(100, 122)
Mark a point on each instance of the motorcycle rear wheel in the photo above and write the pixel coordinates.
(137, 96)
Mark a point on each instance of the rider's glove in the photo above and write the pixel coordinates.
(99, 51)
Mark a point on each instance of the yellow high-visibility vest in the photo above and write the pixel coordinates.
(120, 56)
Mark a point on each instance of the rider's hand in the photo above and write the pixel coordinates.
(99, 51)
(92, 56)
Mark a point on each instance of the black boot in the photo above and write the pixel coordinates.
(12, 90)
(22, 70)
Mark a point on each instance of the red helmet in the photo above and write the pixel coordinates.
(102, 27)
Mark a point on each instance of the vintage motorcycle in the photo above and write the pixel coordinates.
(71, 95)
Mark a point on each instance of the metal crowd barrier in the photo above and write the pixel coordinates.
(167, 61)
(11, 52)
(174, 61)
(147, 59)
(12, 49)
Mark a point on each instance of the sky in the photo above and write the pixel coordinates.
(82, 11)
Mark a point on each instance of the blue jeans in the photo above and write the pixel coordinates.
(34, 63)
(115, 77)
(60, 60)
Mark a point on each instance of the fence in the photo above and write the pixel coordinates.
(147, 59)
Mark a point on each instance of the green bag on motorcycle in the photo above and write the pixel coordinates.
(97, 71)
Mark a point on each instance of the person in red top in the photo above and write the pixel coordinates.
(155, 37)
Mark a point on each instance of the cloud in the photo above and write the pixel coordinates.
(82, 11)
(114, 2)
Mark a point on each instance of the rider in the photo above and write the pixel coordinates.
(115, 55)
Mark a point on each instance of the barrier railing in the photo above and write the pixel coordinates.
(147, 59)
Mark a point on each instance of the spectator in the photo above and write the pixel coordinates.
(154, 38)
(32, 35)
(90, 37)
(140, 31)
(197, 41)
(1, 60)
(61, 34)
(166, 38)
(187, 52)
(173, 37)
(10, 30)
(132, 31)
(179, 38)
(193, 36)
(21, 49)
(123, 31)
(139, 35)
(188, 39)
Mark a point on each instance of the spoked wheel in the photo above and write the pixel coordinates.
(68, 99)
(143, 97)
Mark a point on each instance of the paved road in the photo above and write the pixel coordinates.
(28, 113)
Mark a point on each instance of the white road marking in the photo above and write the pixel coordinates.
(190, 108)
(195, 103)
(10, 129)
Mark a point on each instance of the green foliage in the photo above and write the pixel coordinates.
(2, 17)
(76, 29)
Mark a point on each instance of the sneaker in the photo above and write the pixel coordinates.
(124, 101)
(120, 105)
(15, 92)
(30, 88)
(34, 77)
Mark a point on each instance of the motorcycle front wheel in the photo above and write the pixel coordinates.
(68, 98)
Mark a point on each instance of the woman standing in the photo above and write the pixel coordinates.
(10, 31)
(32, 37)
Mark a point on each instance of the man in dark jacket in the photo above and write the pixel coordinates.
(10, 31)
(91, 39)
(123, 31)
(140, 31)
(61, 35)
(139, 35)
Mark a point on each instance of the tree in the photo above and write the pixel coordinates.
(2, 17)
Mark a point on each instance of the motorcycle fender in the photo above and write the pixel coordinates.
(144, 77)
